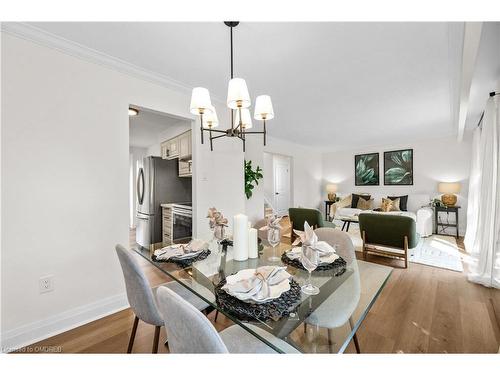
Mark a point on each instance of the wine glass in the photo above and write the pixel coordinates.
(309, 259)
(274, 239)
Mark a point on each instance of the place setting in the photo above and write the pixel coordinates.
(183, 255)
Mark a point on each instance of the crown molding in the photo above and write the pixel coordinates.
(44, 38)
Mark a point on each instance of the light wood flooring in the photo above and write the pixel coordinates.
(422, 309)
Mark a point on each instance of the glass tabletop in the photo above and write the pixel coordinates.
(323, 323)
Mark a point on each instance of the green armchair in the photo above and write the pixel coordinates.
(390, 235)
(313, 217)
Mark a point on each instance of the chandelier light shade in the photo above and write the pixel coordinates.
(237, 94)
(200, 101)
(238, 102)
(263, 108)
(245, 120)
(211, 119)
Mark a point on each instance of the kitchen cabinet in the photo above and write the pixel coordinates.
(173, 148)
(167, 225)
(185, 146)
(185, 168)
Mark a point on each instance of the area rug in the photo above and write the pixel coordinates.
(436, 250)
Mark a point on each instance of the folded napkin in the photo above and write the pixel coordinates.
(181, 251)
(325, 258)
(258, 285)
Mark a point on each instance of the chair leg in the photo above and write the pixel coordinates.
(132, 335)
(406, 252)
(305, 328)
(216, 315)
(156, 339)
(329, 340)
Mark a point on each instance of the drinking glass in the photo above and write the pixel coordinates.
(274, 239)
(309, 259)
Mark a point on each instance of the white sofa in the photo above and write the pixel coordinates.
(417, 209)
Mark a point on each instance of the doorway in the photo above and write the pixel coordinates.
(277, 183)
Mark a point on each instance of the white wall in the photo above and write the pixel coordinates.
(65, 184)
(435, 160)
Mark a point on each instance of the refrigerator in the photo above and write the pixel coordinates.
(158, 182)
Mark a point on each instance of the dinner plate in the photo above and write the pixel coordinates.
(275, 290)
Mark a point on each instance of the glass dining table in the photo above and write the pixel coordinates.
(322, 323)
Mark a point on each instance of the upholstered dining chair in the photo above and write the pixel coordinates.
(189, 331)
(142, 300)
(338, 308)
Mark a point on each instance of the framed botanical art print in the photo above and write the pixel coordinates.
(398, 167)
(366, 169)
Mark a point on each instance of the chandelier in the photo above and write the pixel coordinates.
(238, 101)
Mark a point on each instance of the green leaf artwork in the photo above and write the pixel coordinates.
(398, 167)
(366, 169)
(251, 177)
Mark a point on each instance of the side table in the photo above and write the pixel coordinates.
(447, 209)
(328, 206)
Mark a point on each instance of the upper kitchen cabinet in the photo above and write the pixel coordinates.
(170, 148)
(184, 145)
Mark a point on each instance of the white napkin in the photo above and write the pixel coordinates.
(181, 251)
(324, 258)
(258, 285)
(310, 239)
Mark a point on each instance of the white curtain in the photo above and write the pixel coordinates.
(482, 239)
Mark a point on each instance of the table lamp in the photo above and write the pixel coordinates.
(449, 189)
(331, 189)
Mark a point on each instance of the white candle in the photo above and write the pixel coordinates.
(253, 250)
(240, 237)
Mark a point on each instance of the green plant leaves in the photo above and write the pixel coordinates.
(251, 177)
(396, 175)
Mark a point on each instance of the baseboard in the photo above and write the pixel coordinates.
(33, 332)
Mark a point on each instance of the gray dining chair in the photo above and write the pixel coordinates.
(338, 308)
(189, 331)
(142, 298)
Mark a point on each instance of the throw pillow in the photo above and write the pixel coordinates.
(386, 205)
(365, 204)
(403, 202)
(395, 205)
(355, 198)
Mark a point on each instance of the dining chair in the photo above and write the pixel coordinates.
(142, 299)
(189, 331)
(338, 308)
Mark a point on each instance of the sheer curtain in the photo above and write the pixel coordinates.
(482, 239)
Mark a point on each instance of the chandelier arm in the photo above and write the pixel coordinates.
(264, 131)
(201, 126)
(211, 145)
(219, 131)
(219, 136)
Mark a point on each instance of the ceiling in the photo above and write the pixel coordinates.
(148, 126)
(333, 85)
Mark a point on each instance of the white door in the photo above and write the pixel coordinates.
(281, 185)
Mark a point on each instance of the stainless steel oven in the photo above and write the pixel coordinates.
(182, 223)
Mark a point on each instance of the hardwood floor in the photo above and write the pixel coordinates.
(422, 309)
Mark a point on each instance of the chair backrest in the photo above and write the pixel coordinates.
(388, 230)
(300, 215)
(139, 294)
(340, 240)
(188, 330)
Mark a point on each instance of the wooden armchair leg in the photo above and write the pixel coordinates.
(364, 245)
(406, 252)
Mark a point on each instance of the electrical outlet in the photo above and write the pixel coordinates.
(46, 284)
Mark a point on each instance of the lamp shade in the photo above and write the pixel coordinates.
(263, 108)
(331, 188)
(211, 119)
(200, 100)
(449, 187)
(246, 119)
(237, 94)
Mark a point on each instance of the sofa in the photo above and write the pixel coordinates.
(417, 209)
